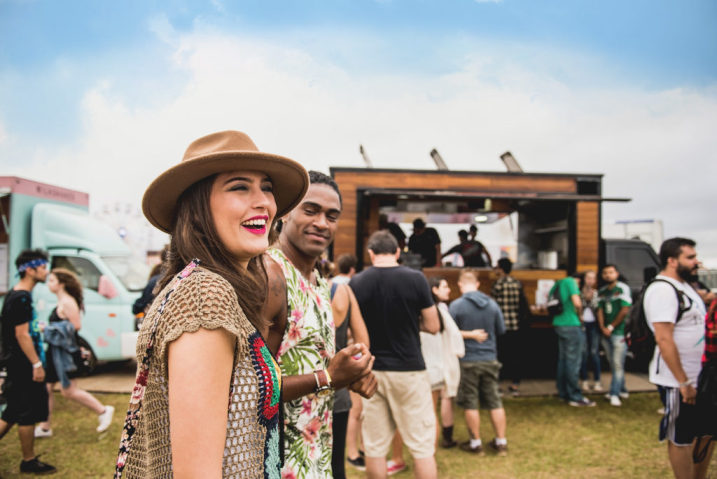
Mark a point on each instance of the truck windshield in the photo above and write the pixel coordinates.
(132, 273)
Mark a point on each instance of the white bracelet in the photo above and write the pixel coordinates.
(37, 365)
(610, 327)
(686, 383)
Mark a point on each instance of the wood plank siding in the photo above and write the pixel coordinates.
(587, 235)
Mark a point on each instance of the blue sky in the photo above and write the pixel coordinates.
(101, 96)
(46, 47)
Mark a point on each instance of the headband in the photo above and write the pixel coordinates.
(35, 263)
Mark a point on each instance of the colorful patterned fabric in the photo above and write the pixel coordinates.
(308, 344)
(710, 353)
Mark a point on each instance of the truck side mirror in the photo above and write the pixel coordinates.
(106, 288)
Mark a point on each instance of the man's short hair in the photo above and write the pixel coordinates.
(418, 223)
(473, 228)
(671, 248)
(610, 265)
(28, 255)
(463, 234)
(506, 265)
(346, 262)
(467, 275)
(382, 242)
(321, 178)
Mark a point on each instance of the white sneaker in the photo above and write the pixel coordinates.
(597, 387)
(40, 432)
(624, 395)
(615, 401)
(105, 418)
(586, 386)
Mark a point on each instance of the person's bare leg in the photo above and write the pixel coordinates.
(680, 460)
(397, 449)
(436, 397)
(376, 468)
(5, 427)
(47, 425)
(497, 417)
(473, 423)
(700, 469)
(27, 441)
(446, 411)
(425, 468)
(353, 428)
(83, 397)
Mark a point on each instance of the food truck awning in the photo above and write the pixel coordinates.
(477, 194)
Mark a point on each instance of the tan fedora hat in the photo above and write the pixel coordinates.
(217, 153)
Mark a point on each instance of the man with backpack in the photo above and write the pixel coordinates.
(567, 325)
(614, 302)
(24, 356)
(676, 314)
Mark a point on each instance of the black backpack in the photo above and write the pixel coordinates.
(554, 304)
(639, 337)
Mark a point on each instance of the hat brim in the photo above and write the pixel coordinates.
(290, 182)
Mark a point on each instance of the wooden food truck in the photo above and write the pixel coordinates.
(553, 220)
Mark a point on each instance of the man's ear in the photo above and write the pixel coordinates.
(398, 253)
(371, 255)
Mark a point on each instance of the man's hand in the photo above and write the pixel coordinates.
(38, 374)
(689, 393)
(606, 332)
(479, 335)
(366, 386)
(350, 364)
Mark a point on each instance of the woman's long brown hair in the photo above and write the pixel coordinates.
(194, 236)
(72, 285)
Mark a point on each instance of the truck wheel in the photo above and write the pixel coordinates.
(87, 361)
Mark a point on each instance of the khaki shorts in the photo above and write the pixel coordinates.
(402, 400)
(479, 385)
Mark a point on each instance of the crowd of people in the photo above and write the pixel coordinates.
(259, 358)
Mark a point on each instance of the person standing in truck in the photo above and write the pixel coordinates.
(426, 243)
(25, 360)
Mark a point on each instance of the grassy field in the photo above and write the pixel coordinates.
(547, 439)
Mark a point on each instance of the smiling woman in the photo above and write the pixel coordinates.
(206, 399)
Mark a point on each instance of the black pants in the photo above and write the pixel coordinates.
(510, 352)
(338, 463)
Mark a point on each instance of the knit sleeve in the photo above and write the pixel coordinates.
(202, 300)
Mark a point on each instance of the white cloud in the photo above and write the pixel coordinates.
(657, 147)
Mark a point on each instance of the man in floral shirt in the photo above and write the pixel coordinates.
(311, 369)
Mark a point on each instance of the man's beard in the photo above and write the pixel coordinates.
(687, 274)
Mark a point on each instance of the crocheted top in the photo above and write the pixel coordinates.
(203, 299)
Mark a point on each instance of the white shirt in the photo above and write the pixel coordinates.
(661, 307)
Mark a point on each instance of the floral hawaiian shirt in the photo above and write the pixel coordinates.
(308, 344)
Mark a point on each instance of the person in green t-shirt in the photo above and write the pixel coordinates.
(571, 341)
(614, 303)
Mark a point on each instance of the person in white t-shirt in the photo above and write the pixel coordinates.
(676, 361)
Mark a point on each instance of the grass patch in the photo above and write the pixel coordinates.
(547, 439)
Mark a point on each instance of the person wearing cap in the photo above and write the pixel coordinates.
(425, 242)
(207, 396)
(305, 336)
